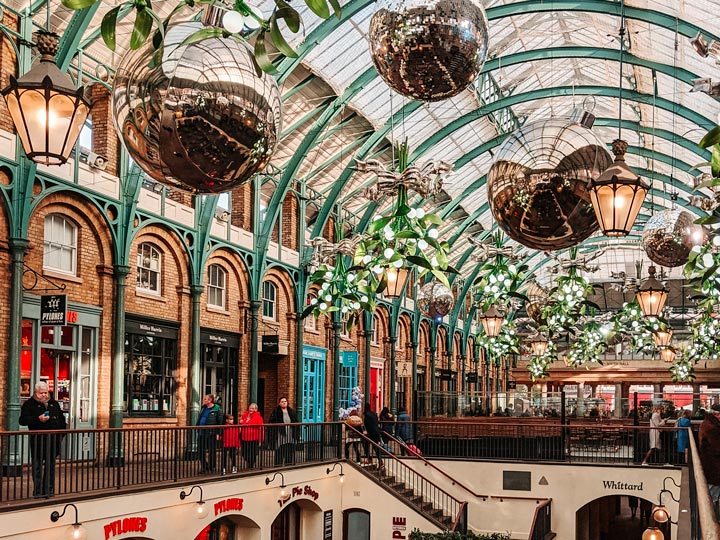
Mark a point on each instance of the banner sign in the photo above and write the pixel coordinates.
(53, 310)
(271, 344)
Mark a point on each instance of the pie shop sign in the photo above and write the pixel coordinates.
(53, 310)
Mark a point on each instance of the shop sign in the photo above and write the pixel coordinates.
(271, 344)
(233, 504)
(399, 526)
(135, 524)
(53, 308)
(298, 492)
(349, 358)
(327, 525)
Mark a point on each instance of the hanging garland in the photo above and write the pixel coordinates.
(682, 370)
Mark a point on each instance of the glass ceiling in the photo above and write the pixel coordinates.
(545, 59)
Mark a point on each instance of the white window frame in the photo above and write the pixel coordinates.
(269, 300)
(344, 329)
(62, 246)
(217, 285)
(374, 339)
(141, 267)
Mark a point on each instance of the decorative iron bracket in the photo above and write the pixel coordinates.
(35, 277)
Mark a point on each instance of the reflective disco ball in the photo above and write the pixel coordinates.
(669, 236)
(428, 50)
(537, 185)
(435, 299)
(537, 299)
(202, 119)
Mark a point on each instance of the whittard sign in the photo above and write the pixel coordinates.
(53, 309)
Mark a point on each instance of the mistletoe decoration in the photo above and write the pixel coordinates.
(682, 370)
(507, 341)
(569, 294)
(356, 397)
(539, 365)
(588, 347)
(500, 276)
(407, 237)
(146, 19)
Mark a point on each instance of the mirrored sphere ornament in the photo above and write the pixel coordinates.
(428, 50)
(201, 119)
(669, 236)
(435, 299)
(537, 185)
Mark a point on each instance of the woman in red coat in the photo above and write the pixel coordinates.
(251, 437)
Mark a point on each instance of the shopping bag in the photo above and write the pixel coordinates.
(414, 450)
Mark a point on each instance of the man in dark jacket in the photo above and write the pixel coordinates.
(42, 413)
(372, 430)
(710, 451)
(404, 429)
(210, 415)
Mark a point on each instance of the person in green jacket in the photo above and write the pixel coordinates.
(210, 415)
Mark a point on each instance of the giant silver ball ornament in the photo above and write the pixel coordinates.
(537, 185)
(669, 236)
(428, 50)
(200, 119)
(435, 299)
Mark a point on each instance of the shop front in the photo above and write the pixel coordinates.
(220, 353)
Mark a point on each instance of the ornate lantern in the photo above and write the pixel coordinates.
(539, 345)
(662, 337)
(491, 321)
(667, 354)
(396, 278)
(652, 295)
(46, 108)
(617, 194)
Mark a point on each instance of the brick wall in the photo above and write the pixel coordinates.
(290, 221)
(242, 206)
(105, 141)
(8, 67)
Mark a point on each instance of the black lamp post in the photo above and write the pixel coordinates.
(47, 110)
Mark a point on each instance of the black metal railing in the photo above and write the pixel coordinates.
(417, 490)
(542, 522)
(80, 463)
(579, 442)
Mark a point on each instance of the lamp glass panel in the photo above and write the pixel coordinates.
(31, 124)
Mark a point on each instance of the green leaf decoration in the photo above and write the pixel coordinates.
(289, 15)
(319, 8)
(202, 35)
(422, 262)
(711, 138)
(707, 220)
(108, 27)
(141, 29)
(279, 41)
(336, 8)
(715, 161)
(261, 55)
(78, 4)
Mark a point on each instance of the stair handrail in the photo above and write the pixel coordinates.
(458, 514)
(538, 509)
(439, 470)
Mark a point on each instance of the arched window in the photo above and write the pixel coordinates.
(149, 267)
(216, 286)
(60, 245)
(269, 296)
(356, 524)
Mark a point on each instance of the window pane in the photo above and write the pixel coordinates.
(148, 268)
(60, 244)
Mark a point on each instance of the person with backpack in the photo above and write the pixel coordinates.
(210, 415)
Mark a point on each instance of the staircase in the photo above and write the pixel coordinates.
(415, 490)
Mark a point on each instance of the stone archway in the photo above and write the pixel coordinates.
(230, 527)
(300, 519)
(615, 517)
